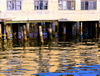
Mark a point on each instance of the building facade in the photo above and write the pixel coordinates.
(70, 17)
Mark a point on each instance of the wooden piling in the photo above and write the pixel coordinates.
(96, 32)
(21, 27)
(27, 29)
(77, 31)
(81, 31)
(5, 33)
(64, 33)
(24, 32)
(77, 28)
(99, 30)
(50, 31)
(56, 28)
(8, 32)
(0, 31)
(73, 30)
(53, 28)
(41, 35)
(4, 41)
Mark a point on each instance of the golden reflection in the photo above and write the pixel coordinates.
(59, 58)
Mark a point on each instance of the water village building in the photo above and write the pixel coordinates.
(64, 17)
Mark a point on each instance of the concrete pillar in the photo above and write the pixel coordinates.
(0, 31)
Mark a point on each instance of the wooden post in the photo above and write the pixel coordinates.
(8, 32)
(77, 28)
(9, 40)
(96, 32)
(77, 31)
(5, 36)
(56, 29)
(1, 36)
(50, 31)
(99, 30)
(4, 41)
(40, 33)
(24, 32)
(27, 27)
(74, 30)
(64, 30)
(81, 31)
(53, 28)
(73, 33)
(22, 35)
(0, 31)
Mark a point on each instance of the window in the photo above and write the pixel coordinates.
(88, 5)
(40, 4)
(66, 4)
(14, 4)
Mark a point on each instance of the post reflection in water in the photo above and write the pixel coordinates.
(54, 58)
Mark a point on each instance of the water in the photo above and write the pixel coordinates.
(56, 58)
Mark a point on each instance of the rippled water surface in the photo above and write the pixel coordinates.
(56, 58)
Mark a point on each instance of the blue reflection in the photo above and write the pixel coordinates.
(25, 69)
(4, 72)
(9, 70)
(92, 70)
(59, 74)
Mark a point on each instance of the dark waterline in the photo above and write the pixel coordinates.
(52, 58)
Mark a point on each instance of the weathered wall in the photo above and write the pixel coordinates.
(28, 12)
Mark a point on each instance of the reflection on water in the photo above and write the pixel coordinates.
(56, 58)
